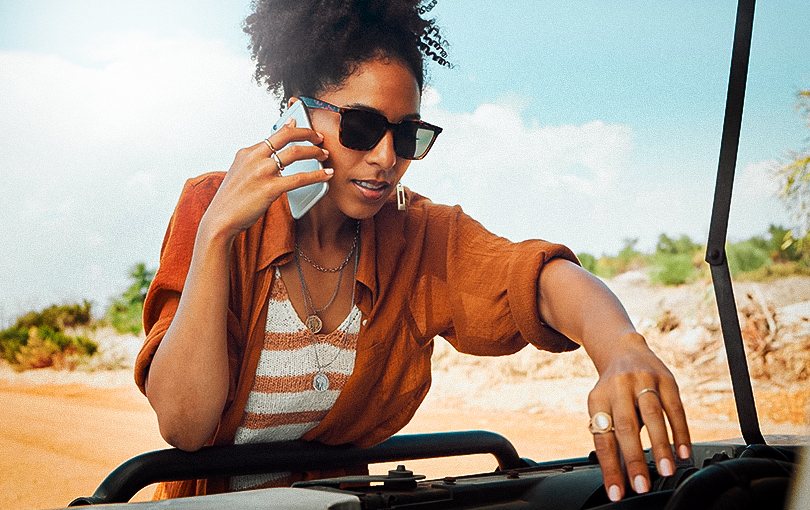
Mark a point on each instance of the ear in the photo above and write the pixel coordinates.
(291, 101)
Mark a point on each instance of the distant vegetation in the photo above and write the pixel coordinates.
(52, 337)
(39, 339)
(680, 260)
(57, 336)
(125, 313)
(794, 177)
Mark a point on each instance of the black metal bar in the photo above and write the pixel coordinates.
(715, 246)
(216, 461)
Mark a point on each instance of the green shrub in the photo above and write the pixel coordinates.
(672, 269)
(588, 262)
(125, 313)
(746, 256)
(629, 258)
(786, 248)
(58, 317)
(37, 340)
(607, 267)
(11, 340)
(66, 343)
(775, 271)
(682, 245)
(126, 318)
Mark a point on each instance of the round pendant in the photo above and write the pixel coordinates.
(321, 382)
(314, 323)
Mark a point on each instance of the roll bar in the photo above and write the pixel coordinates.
(233, 460)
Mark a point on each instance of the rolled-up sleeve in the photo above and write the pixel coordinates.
(163, 297)
(492, 289)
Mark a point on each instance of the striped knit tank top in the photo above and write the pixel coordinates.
(283, 405)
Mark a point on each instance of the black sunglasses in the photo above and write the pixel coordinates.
(362, 130)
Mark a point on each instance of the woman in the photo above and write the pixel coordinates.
(265, 328)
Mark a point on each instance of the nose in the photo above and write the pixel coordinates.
(383, 153)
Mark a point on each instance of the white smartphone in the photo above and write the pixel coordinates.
(301, 199)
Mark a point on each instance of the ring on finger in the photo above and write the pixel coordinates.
(648, 390)
(277, 160)
(601, 423)
(270, 144)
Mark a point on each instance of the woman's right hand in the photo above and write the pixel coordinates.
(188, 378)
(255, 181)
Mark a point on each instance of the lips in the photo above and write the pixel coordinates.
(371, 190)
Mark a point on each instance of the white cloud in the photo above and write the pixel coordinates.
(523, 180)
(92, 159)
(578, 184)
(757, 181)
(755, 204)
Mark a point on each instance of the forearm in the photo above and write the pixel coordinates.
(189, 375)
(580, 306)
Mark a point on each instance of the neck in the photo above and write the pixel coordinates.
(324, 228)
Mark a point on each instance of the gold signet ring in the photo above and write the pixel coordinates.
(601, 423)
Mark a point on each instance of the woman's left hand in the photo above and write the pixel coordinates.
(636, 390)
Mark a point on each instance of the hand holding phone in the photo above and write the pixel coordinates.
(301, 199)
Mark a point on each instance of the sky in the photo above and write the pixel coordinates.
(581, 122)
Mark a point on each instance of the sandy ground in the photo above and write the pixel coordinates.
(61, 432)
(58, 442)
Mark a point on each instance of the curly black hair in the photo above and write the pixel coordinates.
(303, 47)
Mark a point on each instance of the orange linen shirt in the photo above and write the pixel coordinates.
(431, 270)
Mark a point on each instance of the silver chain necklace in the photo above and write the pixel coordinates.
(321, 381)
(313, 321)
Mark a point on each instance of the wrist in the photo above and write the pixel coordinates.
(213, 235)
(612, 348)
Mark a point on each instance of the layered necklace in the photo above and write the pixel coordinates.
(313, 322)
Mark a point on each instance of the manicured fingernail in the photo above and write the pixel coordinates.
(640, 484)
(665, 467)
(683, 451)
(614, 493)
(325, 152)
(328, 171)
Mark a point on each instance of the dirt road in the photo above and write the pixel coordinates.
(59, 442)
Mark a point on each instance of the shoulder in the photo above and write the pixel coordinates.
(203, 187)
(196, 196)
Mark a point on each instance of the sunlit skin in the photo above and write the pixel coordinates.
(362, 182)
(189, 397)
(383, 86)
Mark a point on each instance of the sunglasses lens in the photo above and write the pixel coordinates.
(412, 140)
(361, 130)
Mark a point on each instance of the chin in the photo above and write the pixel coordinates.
(361, 211)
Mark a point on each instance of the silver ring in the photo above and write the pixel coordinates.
(278, 162)
(601, 423)
(648, 390)
(269, 144)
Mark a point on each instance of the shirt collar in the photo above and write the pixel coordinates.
(278, 244)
